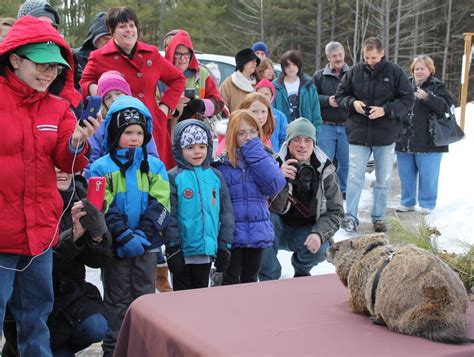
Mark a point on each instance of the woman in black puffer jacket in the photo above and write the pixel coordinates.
(418, 158)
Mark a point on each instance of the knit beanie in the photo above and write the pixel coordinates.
(48, 11)
(37, 8)
(244, 56)
(266, 83)
(112, 80)
(119, 121)
(260, 46)
(192, 135)
(300, 127)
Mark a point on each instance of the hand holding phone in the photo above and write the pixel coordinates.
(92, 108)
(190, 93)
(96, 191)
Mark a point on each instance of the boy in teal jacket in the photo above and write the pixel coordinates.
(202, 217)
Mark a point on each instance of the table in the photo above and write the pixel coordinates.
(294, 317)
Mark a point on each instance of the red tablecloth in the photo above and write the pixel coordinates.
(304, 316)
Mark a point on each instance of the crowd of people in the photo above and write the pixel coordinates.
(295, 148)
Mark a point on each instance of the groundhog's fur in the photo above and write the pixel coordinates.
(417, 293)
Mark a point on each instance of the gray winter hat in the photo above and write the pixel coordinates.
(29, 6)
(300, 127)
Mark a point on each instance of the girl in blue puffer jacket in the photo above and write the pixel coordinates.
(252, 176)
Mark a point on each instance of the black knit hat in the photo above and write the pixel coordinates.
(119, 121)
(244, 56)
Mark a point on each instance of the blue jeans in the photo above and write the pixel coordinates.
(383, 159)
(29, 295)
(291, 239)
(333, 141)
(93, 329)
(419, 170)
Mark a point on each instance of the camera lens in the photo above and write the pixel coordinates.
(305, 173)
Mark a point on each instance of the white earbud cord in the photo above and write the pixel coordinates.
(59, 221)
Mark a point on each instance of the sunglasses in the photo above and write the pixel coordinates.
(46, 67)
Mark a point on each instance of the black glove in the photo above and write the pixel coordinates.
(194, 106)
(222, 260)
(175, 259)
(93, 221)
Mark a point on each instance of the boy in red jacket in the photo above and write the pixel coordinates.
(40, 133)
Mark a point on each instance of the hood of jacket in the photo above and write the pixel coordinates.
(181, 38)
(29, 29)
(120, 103)
(178, 152)
(98, 27)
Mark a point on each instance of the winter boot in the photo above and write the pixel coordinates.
(162, 283)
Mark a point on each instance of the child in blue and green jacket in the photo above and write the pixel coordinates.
(201, 211)
(137, 197)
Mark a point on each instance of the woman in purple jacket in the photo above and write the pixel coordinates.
(252, 176)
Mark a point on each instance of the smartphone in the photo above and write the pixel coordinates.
(96, 191)
(190, 93)
(92, 107)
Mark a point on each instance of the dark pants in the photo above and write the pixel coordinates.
(244, 266)
(194, 276)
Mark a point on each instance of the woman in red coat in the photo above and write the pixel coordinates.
(142, 66)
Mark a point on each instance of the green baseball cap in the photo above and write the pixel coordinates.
(42, 52)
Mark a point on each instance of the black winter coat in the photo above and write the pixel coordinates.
(415, 135)
(385, 86)
(74, 298)
(326, 83)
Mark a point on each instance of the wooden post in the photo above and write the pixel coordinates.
(465, 74)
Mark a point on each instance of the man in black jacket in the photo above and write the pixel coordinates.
(375, 93)
(333, 138)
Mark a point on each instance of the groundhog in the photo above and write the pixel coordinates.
(408, 289)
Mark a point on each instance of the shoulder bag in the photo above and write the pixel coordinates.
(444, 129)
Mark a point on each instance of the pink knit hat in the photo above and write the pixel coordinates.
(266, 83)
(112, 80)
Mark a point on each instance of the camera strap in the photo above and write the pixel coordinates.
(301, 208)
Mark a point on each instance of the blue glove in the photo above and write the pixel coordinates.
(139, 234)
(129, 244)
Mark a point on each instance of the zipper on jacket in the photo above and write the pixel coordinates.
(202, 209)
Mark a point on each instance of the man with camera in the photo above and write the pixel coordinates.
(375, 93)
(308, 211)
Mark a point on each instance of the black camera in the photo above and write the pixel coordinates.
(367, 111)
(304, 174)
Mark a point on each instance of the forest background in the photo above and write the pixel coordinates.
(407, 27)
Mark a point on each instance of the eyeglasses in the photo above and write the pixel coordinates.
(46, 67)
(244, 133)
(186, 55)
(302, 139)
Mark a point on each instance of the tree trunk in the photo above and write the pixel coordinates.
(446, 44)
(356, 31)
(386, 25)
(415, 30)
(319, 10)
(397, 31)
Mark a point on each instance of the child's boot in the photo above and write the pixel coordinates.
(162, 283)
